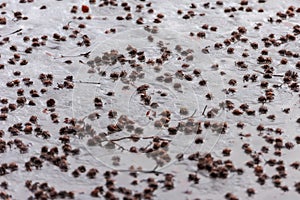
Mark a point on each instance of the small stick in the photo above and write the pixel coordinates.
(120, 146)
(124, 138)
(19, 30)
(151, 137)
(134, 137)
(143, 171)
(154, 169)
(276, 75)
(82, 54)
(191, 115)
(85, 54)
(258, 71)
(203, 113)
(87, 82)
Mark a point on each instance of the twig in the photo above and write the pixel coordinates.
(88, 82)
(85, 54)
(124, 138)
(276, 75)
(120, 146)
(19, 30)
(258, 71)
(190, 116)
(143, 171)
(203, 113)
(147, 146)
(152, 137)
(135, 137)
(154, 169)
(82, 54)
